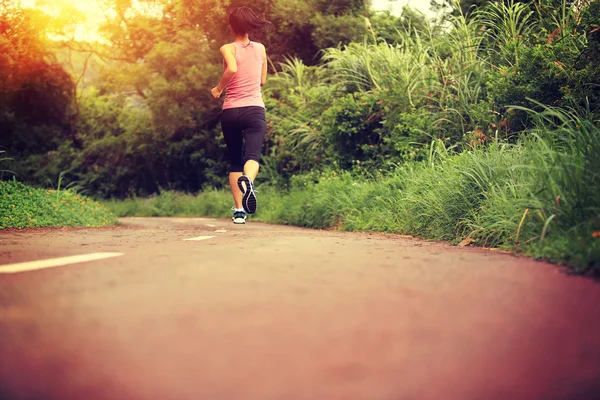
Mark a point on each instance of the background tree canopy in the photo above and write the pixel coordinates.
(143, 118)
(36, 93)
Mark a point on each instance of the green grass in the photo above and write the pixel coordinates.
(22, 206)
(539, 197)
(173, 204)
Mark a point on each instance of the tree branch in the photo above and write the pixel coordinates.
(83, 47)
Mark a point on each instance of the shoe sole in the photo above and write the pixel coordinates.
(239, 221)
(249, 201)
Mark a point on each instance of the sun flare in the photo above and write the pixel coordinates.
(89, 15)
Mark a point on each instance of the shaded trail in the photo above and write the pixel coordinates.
(269, 312)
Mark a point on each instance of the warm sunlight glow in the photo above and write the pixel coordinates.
(90, 15)
(395, 6)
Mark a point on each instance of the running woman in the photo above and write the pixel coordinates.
(243, 120)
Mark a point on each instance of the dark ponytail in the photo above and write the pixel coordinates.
(243, 20)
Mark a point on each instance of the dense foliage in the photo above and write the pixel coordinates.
(22, 206)
(381, 104)
(143, 118)
(35, 91)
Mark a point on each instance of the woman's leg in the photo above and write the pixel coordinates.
(233, 135)
(251, 169)
(255, 128)
(235, 190)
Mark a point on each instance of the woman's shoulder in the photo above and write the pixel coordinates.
(228, 46)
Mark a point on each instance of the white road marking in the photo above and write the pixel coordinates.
(188, 220)
(55, 262)
(199, 238)
(221, 231)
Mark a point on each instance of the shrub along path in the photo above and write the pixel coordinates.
(273, 312)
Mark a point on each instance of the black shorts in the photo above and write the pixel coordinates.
(244, 129)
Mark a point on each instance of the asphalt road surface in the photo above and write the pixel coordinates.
(261, 312)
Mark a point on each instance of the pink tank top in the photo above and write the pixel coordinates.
(244, 88)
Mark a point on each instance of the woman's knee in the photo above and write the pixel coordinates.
(236, 167)
(252, 157)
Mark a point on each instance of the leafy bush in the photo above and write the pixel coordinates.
(547, 56)
(407, 133)
(298, 95)
(122, 154)
(330, 30)
(351, 128)
(22, 206)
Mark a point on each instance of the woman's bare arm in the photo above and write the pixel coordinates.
(228, 53)
(263, 78)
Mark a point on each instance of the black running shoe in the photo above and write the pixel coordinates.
(247, 187)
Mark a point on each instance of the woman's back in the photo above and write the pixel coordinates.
(244, 88)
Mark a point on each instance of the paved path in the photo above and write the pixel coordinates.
(263, 312)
